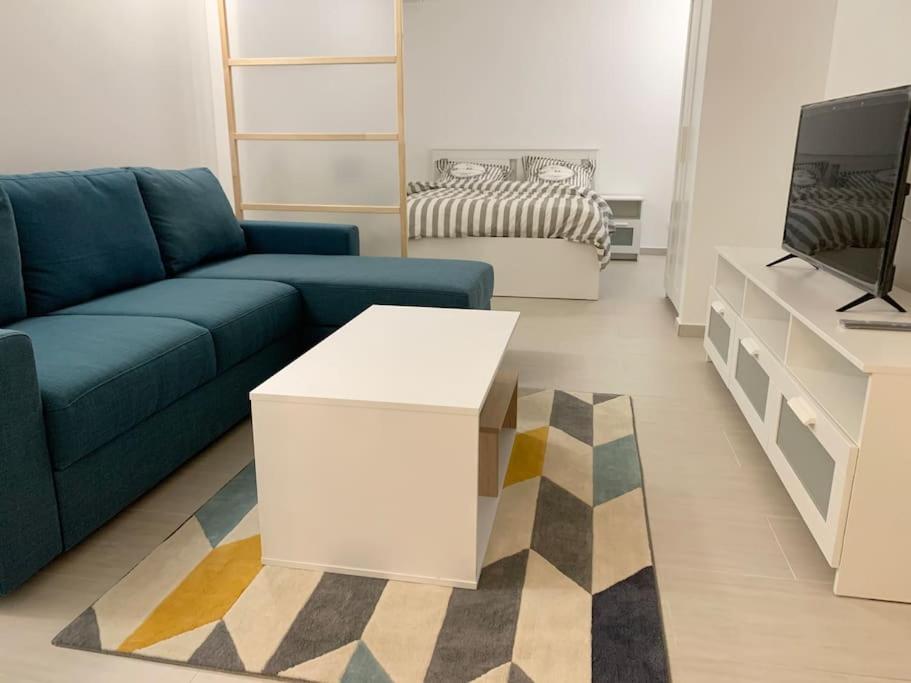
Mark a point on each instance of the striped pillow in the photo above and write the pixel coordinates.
(580, 174)
(447, 169)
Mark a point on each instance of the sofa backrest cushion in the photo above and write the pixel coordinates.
(82, 234)
(12, 291)
(191, 216)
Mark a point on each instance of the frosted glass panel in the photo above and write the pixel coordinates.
(753, 380)
(316, 99)
(622, 237)
(319, 172)
(809, 460)
(379, 233)
(719, 333)
(296, 28)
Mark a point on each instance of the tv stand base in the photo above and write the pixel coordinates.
(868, 297)
(787, 257)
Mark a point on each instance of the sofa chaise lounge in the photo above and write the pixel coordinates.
(137, 313)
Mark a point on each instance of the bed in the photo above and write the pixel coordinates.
(544, 239)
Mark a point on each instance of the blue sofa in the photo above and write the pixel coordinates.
(137, 313)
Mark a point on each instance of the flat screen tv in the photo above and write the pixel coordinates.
(848, 188)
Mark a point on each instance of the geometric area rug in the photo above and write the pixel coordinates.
(567, 592)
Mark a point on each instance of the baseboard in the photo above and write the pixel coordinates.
(653, 251)
(689, 329)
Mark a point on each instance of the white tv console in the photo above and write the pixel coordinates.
(831, 408)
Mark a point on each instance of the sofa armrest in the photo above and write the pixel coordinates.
(277, 237)
(29, 522)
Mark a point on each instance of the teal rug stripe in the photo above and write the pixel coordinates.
(616, 469)
(223, 511)
(363, 668)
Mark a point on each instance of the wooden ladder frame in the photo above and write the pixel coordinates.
(229, 63)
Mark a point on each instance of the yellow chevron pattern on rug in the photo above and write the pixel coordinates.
(527, 458)
(567, 592)
(203, 597)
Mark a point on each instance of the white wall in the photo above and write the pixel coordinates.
(764, 60)
(104, 83)
(870, 51)
(568, 74)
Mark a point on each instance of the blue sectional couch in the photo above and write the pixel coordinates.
(137, 313)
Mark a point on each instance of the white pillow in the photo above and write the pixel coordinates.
(804, 178)
(580, 174)
(448, 169)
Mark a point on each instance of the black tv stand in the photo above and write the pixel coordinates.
(868, 297)
(858, 301)
(787, 257)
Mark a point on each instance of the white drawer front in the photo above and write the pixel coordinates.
(815, 461)
(721, 324)
(750, 381)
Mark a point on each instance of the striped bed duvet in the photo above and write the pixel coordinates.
(509, 208)
(854, 214)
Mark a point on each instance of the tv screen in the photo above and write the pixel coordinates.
(848, 185)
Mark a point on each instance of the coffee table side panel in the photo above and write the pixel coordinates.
(367, 490)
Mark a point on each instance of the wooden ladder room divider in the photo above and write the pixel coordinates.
(230, 63)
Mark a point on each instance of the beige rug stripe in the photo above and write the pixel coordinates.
(326, 669)
(613, 420)
(404, 627)
(247, 527)
(515, 520)
(553, 633)
(568, 462)
(265, 611)
(498, 675)
(619, 539)
(534, 410)
(179, 647)
(123, 608)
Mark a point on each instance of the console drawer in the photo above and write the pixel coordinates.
(752, 367)
(719, 333)
(815, 461)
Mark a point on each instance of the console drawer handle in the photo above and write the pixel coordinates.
(750, 347)
(803, 411)
(718, 308)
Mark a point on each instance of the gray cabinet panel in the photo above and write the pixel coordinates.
(809, 460)
(753, 380)
(719, 334)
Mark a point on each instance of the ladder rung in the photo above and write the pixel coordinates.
(353, 137)
(305, 61)
(321, 208)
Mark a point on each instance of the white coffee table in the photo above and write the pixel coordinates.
(381, 451)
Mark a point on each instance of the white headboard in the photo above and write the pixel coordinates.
(511, 156)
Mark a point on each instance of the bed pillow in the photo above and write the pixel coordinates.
(577, 173)
(448, 169)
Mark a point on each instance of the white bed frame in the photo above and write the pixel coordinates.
(523, 266)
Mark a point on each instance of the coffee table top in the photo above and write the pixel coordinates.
(437, 359)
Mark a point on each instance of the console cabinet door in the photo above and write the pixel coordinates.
(751, 380)
(721, 323)
(815, 461)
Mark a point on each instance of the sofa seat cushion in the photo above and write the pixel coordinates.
(82, 234)
(337, 288)
(102, 375)
(191, 216)
(243, 316)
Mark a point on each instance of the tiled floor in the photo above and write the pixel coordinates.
(746, 595)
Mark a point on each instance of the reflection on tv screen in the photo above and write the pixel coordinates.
(844, 182)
